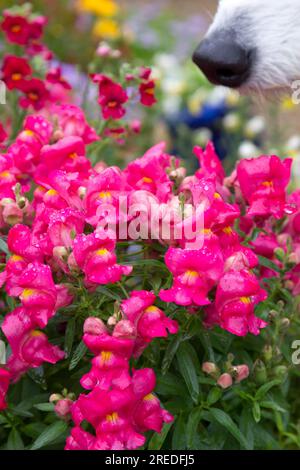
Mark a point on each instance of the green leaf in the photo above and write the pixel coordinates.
(78, 354)
(256, 412)
(186, 362)
(192, 425)
(179, 437)
(69, 336)
(225, 420)
(170, 353)
(108, 293)
(264, 389)
(214, 395)
(54, 431)
(158, 439)
(272, 406)
(14, 441)
(3, 246)
(44, 406)
(268, 264)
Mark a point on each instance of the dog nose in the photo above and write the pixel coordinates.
(223, 62)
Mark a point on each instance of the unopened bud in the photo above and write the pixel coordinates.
(267, 352)
(55, 397)
(94, 326)
(63, 408)
(242, 372)
(225, 381)
(293, 258)
(284, 323)
(260, 372)
(280, 372)
(209, 368)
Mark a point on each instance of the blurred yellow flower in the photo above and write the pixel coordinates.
(106, 8)
(106, 28)
(288, 104)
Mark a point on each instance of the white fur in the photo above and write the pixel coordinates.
(272, 28)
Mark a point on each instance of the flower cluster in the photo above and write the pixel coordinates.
(121, 405)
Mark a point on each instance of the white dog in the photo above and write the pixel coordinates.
(253, 45)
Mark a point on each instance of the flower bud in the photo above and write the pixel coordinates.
(280, 372)
(225, 381)
(279, 253)
(284, 323)
(293, 258)
(94, 326)
(260, 372)
(124, 329)
(242, 372)
(55, 397)
(209, 368)
(267, 352)
(63, 408)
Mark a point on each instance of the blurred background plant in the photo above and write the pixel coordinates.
(163, 34)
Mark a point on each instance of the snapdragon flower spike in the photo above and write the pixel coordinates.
(30, 347)
(149, 321)
(195, 272)
(237, 294)
(95, 255)
(110, 366)
(119, 417)
(4, 384)
(112, 97)
(263, 182)
(64, 225)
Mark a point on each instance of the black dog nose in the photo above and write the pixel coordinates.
(223, 61)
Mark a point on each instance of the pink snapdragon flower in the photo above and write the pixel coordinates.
(67, 154)
(30, 347)
(119, 417)
(237, 294)
(72, 122)
(95, 255)
(149, 321)
(110, 366)
(209, 163)
(195, 273)
(263, 182)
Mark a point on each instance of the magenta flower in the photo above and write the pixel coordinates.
(112, 97)
(237, 294)
(30, 347)
(95, 255)
(195, 273)
(14, 70)
(35, 94)
(209, 163)
(263, 182)
(67, 154)
(4, 383)
(149, 321)
(16, 28)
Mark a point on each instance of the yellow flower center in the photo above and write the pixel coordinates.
(102, 252)
(112, 104)
(16, 76)
(105, 356)
(33, 96)
(5, 174)
(246, 300)
(51, 192)
(217, 196)
(36, 333)
(227, 230)
(268, 184)
(149, 397)
(16, 258)
(151, 309)
(29, 133)
(16, 28)
(104, 195)
(73, 155)
(27, 293)
(146, 179)
(112, 418)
